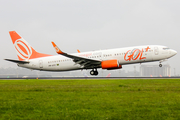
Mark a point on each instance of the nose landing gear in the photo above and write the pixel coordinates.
(94, 72)
(160, 65)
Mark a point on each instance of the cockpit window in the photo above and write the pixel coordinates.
(166, 48)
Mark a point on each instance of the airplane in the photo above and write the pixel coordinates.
(109, 59)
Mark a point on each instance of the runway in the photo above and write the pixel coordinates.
(87, 78)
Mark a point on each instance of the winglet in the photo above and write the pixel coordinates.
(78, 51)
(56, 48)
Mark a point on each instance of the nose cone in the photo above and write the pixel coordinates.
(173, 52)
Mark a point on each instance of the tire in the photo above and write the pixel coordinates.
(92, 72)
(95, 72)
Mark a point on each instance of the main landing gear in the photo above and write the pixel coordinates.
(94, 72)
(160, 65)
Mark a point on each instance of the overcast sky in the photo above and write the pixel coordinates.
(90, 25)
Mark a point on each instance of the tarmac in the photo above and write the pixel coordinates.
(87, 78)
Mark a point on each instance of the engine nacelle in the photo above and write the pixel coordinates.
(110, 64)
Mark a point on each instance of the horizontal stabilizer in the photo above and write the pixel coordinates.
(17, 61)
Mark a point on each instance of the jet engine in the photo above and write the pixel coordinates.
(110, 64)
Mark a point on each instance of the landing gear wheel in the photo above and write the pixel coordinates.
(94, 72)
(160, 65)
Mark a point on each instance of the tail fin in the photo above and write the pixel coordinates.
(23, 49)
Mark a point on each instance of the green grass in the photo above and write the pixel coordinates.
(90, 99)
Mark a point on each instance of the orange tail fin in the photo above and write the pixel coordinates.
(23, 49)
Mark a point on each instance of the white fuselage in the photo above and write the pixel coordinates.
(129, 55)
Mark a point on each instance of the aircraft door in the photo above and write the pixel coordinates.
(40, 64)
(156, 51)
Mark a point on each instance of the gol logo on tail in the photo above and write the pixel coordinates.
(23, 50)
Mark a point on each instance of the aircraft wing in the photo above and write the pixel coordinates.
(84, 62)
